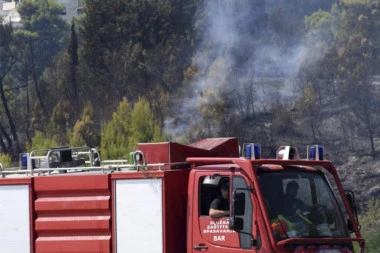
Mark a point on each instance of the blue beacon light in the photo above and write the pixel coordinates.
(251, 151)
(316, 152)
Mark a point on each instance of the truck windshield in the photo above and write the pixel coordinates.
(301, 204)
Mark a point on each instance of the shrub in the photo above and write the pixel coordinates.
(370, 221)
(372, 241)
(39, 141)
(5, 160)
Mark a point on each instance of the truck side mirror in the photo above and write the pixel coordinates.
(239, 203)
(236, 223)
(350, 227)
(238, 207)
(351, 201)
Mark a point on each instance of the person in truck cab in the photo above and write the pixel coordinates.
(293, 205)
(220, 206)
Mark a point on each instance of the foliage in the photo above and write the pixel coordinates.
(43, 35)
(371, 213)
(357, 60)
(372, 241)
(59, 122)
(5, 160)
(128, 127)
(370, 221)
(114, 134)
(84, 132)
(39, 141)
(143, 126)
(133, 47)
(8, 57)
(319, 24)
(43, 18)
(343, 44)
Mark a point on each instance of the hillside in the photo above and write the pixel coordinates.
(274, 72)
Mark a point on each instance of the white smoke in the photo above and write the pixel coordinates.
(233, 48)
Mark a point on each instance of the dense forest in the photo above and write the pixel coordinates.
(273, 72)
(137, 71)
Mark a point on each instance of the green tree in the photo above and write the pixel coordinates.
(343, 55)
(115, 133)
(129, 127)
(84, 132)
(5, 160)
(132, 47)
(39, 141)
(45, 34)
(319, 25)
(59, 122)
(144, 128)
(7, 61)
(358, 60)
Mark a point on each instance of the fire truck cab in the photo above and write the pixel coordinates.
(160, 202)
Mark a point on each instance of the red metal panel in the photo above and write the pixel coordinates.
(219, 147)
(175, 210)
(73, 203)
(73, 223)
(73, 214)
(71, 183)
(95, 244)
(16, 181)
(171, 152)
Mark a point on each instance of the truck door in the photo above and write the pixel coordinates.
(213, 234)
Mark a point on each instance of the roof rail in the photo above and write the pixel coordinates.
(59, 157)
(94, 169)
(78, 160)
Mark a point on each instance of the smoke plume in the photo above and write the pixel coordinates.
(239, 55)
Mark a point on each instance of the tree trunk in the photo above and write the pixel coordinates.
(9, 116)
(28, 137)
(7, 137)
(2, 145)
(35, 81)
(372, 143)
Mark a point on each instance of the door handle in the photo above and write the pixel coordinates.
(201, 247)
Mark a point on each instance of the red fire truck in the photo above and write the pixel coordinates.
(67, 200)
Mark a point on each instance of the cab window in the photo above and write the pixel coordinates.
(210, 190)
(245, 211)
